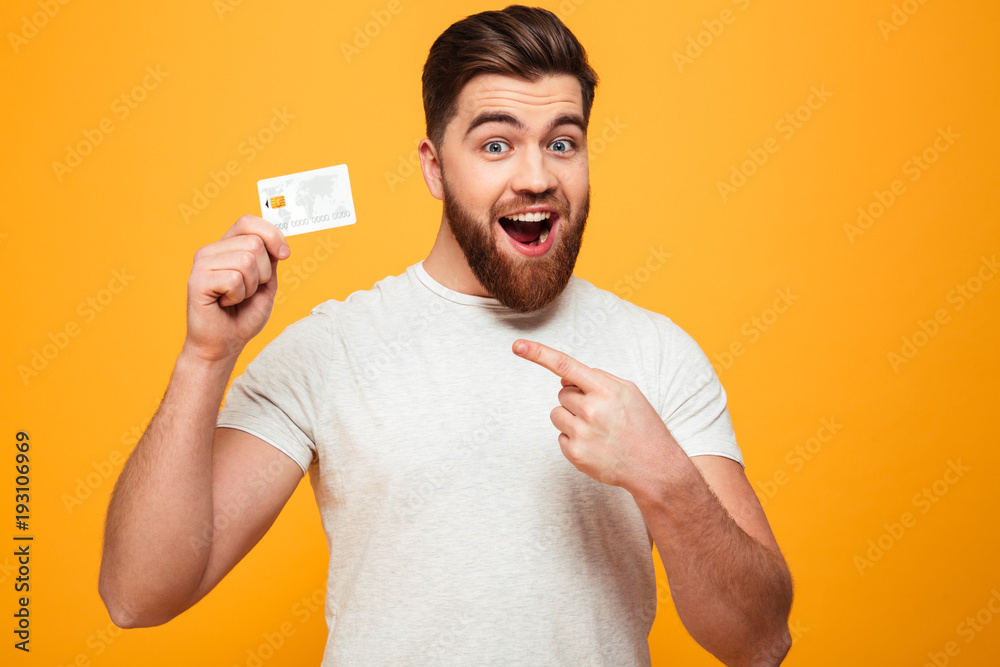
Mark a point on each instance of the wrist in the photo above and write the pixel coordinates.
(666, 483)
(200, 362)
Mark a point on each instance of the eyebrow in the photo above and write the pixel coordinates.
(509, 119)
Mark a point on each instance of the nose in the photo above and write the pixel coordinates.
(533, 175)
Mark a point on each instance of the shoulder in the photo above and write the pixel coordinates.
(330, 320)
(387, 293)
(639, 325)
(661, 356)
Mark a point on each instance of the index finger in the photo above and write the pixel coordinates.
(560, 363)
(273, 238)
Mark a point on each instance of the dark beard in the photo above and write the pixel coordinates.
(532, 282)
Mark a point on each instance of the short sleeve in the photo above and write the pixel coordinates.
(694, 403)
(280, 396)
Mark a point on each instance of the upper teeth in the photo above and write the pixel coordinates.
(530, 217)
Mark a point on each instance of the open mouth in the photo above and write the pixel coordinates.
(528, 229)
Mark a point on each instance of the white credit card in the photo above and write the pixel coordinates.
(308, 201)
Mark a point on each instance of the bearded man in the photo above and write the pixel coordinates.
(479, 508)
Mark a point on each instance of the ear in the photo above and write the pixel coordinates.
(430, 165)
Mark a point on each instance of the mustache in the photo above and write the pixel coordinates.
(560, 204)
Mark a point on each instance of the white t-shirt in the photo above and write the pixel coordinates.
(458, 532)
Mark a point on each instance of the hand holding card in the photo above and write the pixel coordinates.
(308, 201)
(231, 289)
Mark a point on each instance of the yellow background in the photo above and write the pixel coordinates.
(671, 131)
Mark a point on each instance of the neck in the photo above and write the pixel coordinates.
(447, 265)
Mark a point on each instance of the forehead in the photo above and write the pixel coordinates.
(548, 95)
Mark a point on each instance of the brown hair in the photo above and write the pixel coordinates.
(524, 42)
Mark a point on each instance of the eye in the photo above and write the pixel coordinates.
(497, 147)
(561, 146)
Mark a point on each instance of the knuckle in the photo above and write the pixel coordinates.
(573, 449)
(246, 261)
(232, 280)
(256, 243)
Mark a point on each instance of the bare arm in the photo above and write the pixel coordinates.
(729, 581)
(193, 500)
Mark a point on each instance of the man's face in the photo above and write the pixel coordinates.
(515, 178)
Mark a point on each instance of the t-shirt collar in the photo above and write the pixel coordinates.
(450, 294)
